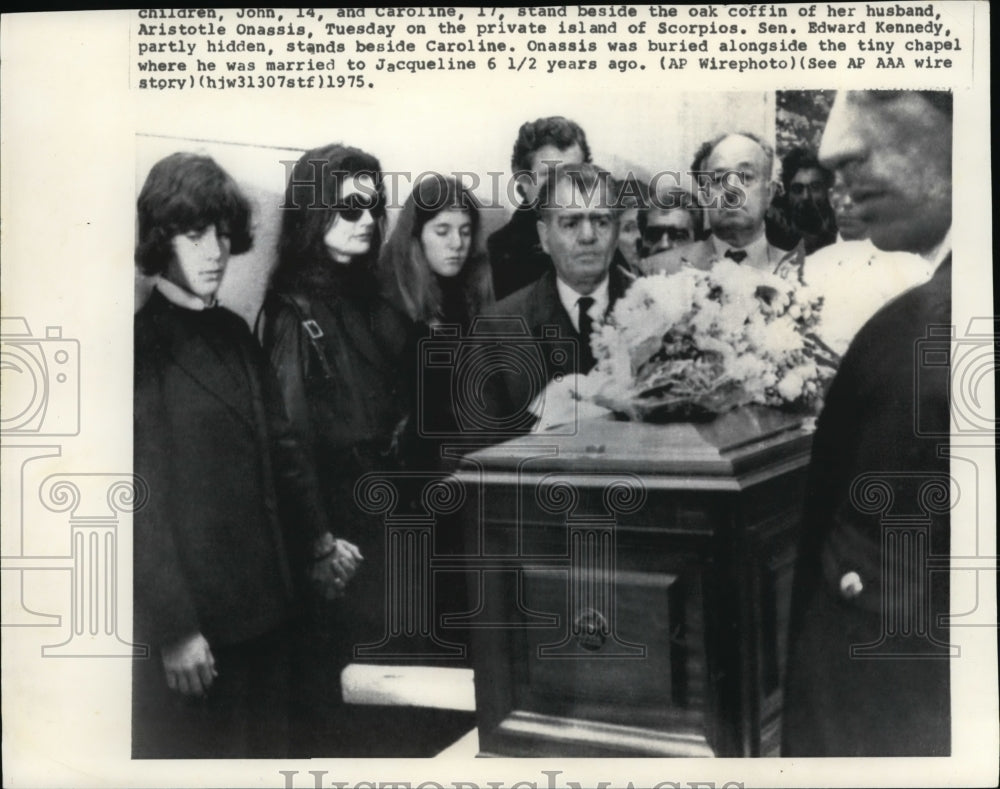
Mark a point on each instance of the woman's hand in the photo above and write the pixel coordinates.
(335, 567)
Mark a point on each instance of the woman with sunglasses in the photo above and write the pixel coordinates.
(336, 346)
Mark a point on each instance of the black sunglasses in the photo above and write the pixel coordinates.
(354, 206)
(653, 233)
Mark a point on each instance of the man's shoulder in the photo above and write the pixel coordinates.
(517, 235)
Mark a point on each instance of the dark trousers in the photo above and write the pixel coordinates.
(244, 715)
(320, 651)
(839, 705)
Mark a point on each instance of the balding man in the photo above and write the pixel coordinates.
(868, 668)
(739, 170)
(578, 212)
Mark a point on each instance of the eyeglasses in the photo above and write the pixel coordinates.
(354, 206)
(653, 234)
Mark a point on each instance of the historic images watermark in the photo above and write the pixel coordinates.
(320, 779)
(41, 383)
(410, 504)
(908, 504)
(498, 190)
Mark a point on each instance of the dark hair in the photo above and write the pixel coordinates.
(802, 159)
(556, 130)
(186, 192)
(311, 197)
(706, 148)
(589, 179)
(406, 277)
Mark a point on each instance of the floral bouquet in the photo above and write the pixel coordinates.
(697, 343)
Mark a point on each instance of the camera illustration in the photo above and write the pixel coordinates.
(968, 365)
(493, 378)
(40, 379)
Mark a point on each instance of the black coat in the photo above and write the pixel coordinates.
(516, 254)
(232, 508)
(878, 473)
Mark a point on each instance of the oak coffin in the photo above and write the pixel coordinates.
(629, 586)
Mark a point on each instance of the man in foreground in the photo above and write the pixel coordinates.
(868, 673)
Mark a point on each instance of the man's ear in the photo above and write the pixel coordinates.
(543, 235)
(523, 179)
(518, 188)
(772, 189)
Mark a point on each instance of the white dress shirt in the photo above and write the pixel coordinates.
(569, 298)
(175, 294)
(758, 252)
(937, 255)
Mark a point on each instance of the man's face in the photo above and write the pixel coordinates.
(809, 200)
(744, 157)
(199, 261)
(580, 234)
(542, 160)
(850, 227)
(666, 229)
(807, 184)
(893, 154)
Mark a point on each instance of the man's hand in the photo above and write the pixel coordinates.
(189, 665)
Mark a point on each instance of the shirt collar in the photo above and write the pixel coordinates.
(179, 297)
(756, 250)
(936, 255)
(569, 298)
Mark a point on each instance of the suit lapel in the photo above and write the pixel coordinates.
(197, 359)
(618, 283)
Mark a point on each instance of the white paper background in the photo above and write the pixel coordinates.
(76, 143)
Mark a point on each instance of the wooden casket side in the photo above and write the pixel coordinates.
(648, 630)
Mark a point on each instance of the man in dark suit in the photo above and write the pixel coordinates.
(868, 668)
(577, 224)
(233, 521)
(516, 255)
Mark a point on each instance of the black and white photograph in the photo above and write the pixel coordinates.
(555, 396)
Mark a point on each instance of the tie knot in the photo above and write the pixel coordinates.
(738, 255)
(585, 303)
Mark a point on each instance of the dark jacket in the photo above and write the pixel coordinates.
(232, 506)
(878, 482)
(516, 254)
(552, 345)
(350, 401)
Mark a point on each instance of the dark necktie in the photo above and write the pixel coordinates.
(587, 360)
(738, 255)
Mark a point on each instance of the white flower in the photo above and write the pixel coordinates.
(720, 337)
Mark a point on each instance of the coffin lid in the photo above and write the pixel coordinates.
(746, 440)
